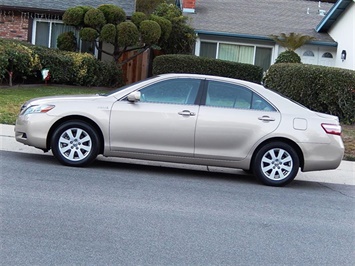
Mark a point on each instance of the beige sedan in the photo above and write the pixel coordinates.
(190, 119)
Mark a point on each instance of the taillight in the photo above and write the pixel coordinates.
(332, 129)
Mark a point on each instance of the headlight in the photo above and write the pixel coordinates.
(44, 108)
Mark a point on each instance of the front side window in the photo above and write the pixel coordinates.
(220, 94)
(175, 91)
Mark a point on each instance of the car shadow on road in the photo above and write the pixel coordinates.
(183, 171)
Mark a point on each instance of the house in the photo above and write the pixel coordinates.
(40, 21)
(239, 30)
(339, 23)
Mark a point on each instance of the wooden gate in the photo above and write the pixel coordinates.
(137, 68)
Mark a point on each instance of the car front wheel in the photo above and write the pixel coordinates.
(276, 164)
(75, 143)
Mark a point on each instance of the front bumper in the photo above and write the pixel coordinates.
(33, 129)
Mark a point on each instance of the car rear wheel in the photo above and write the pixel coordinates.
(75, 143)
(276, 164)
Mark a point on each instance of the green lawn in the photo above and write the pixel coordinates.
(11, 98)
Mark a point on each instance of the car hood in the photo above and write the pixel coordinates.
(56, 99)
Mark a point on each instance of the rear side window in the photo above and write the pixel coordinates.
(221, 94)
(175, 91)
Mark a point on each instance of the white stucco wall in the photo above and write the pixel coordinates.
(343, 32)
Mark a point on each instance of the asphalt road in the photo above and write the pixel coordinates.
(121, 214)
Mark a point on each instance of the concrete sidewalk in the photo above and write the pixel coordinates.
(344, 174)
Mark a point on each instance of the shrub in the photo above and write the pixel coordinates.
(79, 69)
(88, 34)
(165, 26)
(199, 65)
(65, 67)
(138, 17)
(74, 16)
(94, 18)
(113, 13)
(128, 34)
(17, 59)
(67, 41)
(108, 33)
(150, 32)
(288, 57)
(323, 89)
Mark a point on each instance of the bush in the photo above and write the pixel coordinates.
(67, 41)
(113, 14)
(323, 89)
(74, 16)
(199, 65)
(95, 18)
(128, 34)
(150, 31)
(288, 57)
(65, 67)
(17, 59)
(79, 69)
(108, 33)
(138, 17)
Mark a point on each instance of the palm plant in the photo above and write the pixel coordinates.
(292, 41)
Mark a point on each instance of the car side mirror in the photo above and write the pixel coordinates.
(134, 96)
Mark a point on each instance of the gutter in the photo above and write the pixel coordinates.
(328, 16)
(31, 9)
(257, 37)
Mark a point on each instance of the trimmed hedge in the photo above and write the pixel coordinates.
(67, 67)
(323, 89)
(200, 65)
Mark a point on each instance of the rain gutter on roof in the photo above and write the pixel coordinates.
(255, 37)
(328, 20)
(31, 9)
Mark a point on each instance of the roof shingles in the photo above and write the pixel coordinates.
(60, 5)
(259, 17)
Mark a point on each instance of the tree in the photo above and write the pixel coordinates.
(290, 42)
(148, 6)
(108, 23)
(182, 37)
(67, 41)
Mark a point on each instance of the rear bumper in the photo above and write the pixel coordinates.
(321, 156)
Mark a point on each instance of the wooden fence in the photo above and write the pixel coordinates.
(137, 68)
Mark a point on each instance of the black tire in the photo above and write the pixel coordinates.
(75, 143)
(276, 164)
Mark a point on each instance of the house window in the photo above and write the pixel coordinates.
(327, 55)
(208, 49)
(308, 53)
(46, 33)
(260, 56)
(236, 53)
(263, 57)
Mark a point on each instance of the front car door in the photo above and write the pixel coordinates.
(233, 119)
(162, 122)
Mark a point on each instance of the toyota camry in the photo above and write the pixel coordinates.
(189, 119)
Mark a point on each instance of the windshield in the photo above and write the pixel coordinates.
(123, 87)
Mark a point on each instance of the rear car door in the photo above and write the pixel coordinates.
(233, 119)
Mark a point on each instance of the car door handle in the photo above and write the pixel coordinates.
(266, 118)
(187, 113)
